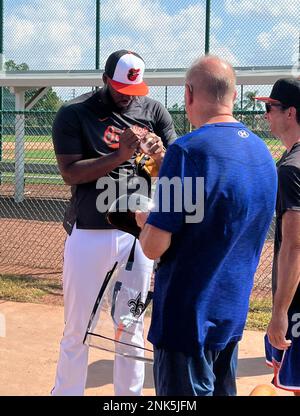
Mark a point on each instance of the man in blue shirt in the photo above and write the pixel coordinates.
(205, 276)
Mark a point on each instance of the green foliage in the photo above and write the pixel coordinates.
(249, 102)
(12, 66)
(259, 315)
(181, 123)
(49, 102)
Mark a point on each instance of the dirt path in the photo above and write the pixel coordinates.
(28, 146)
(29, 351)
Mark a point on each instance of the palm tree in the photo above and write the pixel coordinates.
(250, 104)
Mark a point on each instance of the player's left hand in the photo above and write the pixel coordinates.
(152, 145)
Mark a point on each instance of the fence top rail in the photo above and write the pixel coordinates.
(159, 77)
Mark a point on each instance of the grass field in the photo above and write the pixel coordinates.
(44, 139)
(38, 290)
(274, 146)
(38, 156)
(28, 289)
(35, 139)
(47, 155)
(259, 314)
(33, 178)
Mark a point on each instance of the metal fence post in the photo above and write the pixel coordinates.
(166, 96)
(97, 63)
(20, 145)
(1, 88)
(97, 52)
(207, 27)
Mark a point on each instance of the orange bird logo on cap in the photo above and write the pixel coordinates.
(133, 74)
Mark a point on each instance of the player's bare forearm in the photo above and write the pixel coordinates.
(76, 171)
(154, 241)
(288, 261)
(288, 276)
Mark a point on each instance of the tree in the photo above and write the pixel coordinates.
(179, 117)
(49, 102)
(250, 104)
(12, 66)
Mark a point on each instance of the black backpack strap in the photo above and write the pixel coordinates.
(130, 260)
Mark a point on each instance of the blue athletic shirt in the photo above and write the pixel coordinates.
(204, 280)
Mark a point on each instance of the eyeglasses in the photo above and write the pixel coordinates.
(269, 106)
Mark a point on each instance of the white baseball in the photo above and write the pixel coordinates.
(143, 146)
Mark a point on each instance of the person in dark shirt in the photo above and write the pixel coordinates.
(98, 136)
(208, 260)
(282, 340)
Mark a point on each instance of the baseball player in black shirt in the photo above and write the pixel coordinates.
(98, 136)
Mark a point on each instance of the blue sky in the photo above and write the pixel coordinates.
(60, 34)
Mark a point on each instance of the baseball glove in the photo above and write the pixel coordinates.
(125, 220)
(146, 166)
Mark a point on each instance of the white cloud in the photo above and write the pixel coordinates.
(223, 51)
(49, 36)
(280, 32)
(146, 15)
(263, 7)
(58, 31)
(163, 39)
(141, 15)
(62, 35)
(22, 30)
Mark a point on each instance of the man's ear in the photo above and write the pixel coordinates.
(292, 113)
(188, 94)
(104, 78)
(235, 94)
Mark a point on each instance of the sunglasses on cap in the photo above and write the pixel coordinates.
(270, 105)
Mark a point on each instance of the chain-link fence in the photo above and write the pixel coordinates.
(32, 195)
(76, 35)
(32, 202)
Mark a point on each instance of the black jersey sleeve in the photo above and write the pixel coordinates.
(66, 132)
(164, 127)
(289, 188)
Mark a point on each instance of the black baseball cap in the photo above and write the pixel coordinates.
(125, 71)
(285, 91)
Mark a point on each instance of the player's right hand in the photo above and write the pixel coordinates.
(277, 330)
(128, 143)
(141, 218)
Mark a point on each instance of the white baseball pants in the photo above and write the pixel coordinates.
(88, 256)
